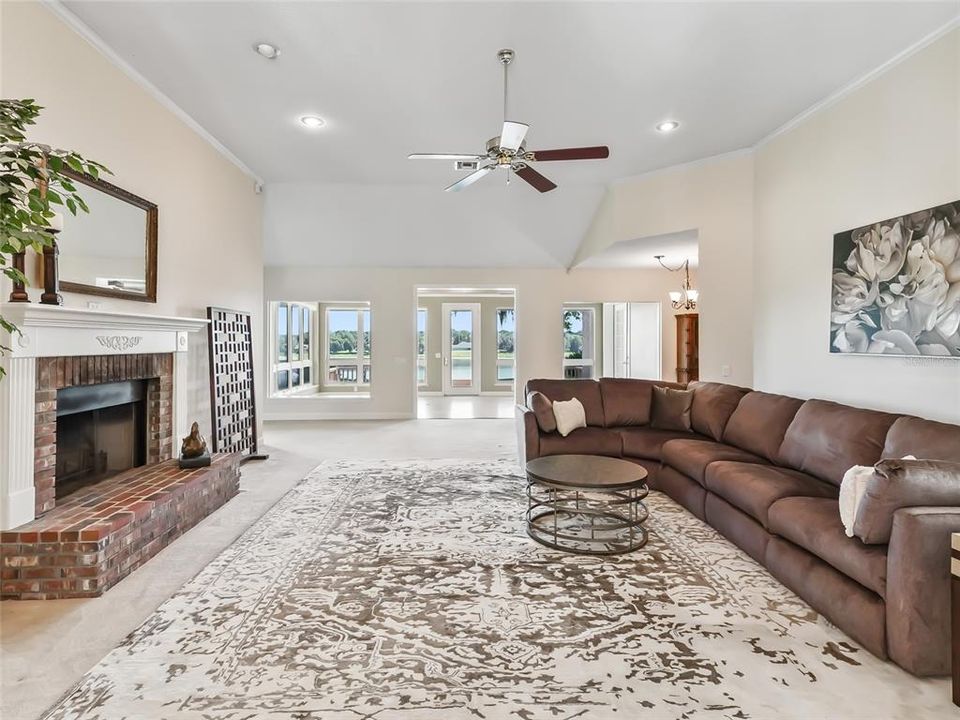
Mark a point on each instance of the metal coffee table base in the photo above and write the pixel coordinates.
(587, 522)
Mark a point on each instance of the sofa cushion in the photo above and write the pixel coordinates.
(924, 439)
(713, 404)
(814, 524)
(583, 441)
(754, 488)
(543, 411)
(897, 484)
(691, 457)
(826, 439)
(671, 409)
(760, 422)
(645, 442)
(627, 401)
(586, 391)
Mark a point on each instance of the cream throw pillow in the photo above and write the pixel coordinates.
(852, 488)
(570, 415)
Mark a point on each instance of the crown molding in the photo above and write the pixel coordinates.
(860, 82)
(88, 34)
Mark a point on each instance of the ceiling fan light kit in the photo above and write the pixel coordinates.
(508, 152)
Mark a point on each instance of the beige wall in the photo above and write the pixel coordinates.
(488, 339)
(715, 198)
(392, 293)
(890, 147)
(209, 216)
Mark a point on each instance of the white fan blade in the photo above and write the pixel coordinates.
(444, 156)
(512, 135)
(469, 179)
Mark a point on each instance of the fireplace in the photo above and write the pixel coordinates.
(60, 347)
(101, 431)
(97, 416)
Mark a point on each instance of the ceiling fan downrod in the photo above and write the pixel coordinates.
(505, 56)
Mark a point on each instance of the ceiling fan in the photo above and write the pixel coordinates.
(507, 151)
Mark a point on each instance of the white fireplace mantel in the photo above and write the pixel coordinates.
(53, 331)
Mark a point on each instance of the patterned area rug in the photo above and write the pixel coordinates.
(410, 590)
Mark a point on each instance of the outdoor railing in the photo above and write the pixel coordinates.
(348, 372)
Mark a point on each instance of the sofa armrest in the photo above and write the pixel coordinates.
(918, 588)
(528, 435)
(897, 484)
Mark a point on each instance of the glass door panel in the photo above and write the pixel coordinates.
(461, 349)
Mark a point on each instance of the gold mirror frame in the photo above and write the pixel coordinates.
(150, 246)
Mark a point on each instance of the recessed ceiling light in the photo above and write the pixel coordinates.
(270, 52)
(312, 121)
(667, 126)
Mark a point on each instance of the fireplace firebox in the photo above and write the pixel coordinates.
(101, 431)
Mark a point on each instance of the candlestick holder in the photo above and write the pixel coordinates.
(19, 292)
(51, 273)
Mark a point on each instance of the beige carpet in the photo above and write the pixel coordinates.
(409, 590)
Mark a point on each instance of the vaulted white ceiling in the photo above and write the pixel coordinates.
(395, 78)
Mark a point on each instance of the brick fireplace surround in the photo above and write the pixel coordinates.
(87, 541)
(56, 373)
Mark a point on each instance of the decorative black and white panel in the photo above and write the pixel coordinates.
(232, 398)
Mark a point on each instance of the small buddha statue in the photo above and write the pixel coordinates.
(193, 451)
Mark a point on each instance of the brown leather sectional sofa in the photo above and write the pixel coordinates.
(765, 471)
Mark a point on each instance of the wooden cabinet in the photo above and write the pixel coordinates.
(688, 347)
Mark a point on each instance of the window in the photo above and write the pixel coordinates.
(579, 342)
(292, 365)
(421, 347)
(347, 343)
(506, 337)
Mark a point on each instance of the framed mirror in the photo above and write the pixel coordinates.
(112, 250)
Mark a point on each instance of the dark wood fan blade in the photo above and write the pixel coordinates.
(536, 179)
(597, 152)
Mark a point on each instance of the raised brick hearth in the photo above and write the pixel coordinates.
(100, 534)
(56, 373)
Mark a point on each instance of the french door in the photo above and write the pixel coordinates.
(461, 349)
(631, 340)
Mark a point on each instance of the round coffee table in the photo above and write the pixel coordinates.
(586, 504)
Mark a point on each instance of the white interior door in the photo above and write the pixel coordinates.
(644, 341)
(461, 349)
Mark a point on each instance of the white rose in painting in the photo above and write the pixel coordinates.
(892, 342)
(851, 338)
(921, 289)
(878, 252)
(851, 294)
(943, 245)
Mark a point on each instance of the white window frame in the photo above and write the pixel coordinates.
(360, 360)
(581, 362)
(426, 347)
(506, 362)
(289, 365)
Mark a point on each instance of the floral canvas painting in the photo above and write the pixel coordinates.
(896, 286)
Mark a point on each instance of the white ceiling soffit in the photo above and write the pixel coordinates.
(640, 252)
(395, 78)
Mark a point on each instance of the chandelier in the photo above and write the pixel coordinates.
(686, 298)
